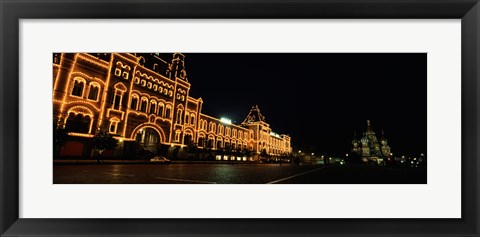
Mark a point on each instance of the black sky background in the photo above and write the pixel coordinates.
(319, 99)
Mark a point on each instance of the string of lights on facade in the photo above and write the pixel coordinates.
(143, 101)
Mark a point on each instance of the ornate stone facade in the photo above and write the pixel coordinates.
(142, 99)
(369, 148)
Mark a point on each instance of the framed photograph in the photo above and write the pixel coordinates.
(239, 118)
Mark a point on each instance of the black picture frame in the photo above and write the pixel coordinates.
(12, 11)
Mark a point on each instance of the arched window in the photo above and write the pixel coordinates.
(78, 85)
(168, 111)
(193, 119)
(77, 122)
(141, 61)
(201, 141)
(93, 91)
(160, 109)
(153, 106)
(113, 125)
(210, 142)
(220, 129)
(187, 118)
(143, 105)
(227, 131)
(155, 67)
(179, 116)
(117, 99)
(134, 102)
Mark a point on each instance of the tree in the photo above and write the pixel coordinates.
(264, 154)
(248, 153)
(59, 137)
(103, 141)
(194, 150)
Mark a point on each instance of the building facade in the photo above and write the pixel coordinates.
(143, 101)
(371, 149)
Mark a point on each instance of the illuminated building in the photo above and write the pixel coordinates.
(143, 101)
(369, 148)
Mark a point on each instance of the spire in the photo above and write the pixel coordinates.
(254, 115)
(369, 126)
(177, 67)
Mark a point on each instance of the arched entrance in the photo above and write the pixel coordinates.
(148, 138)
(188, 140)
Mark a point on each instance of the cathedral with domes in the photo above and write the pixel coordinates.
(369, 148)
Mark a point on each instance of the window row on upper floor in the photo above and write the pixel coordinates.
(151, 106)
(82, 90)
(163, 90)
(226, 131)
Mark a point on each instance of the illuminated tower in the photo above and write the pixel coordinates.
(356, 144)
(256, 121)
(385, 148)
(177, 68)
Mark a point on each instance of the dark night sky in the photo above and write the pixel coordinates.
(319, 99)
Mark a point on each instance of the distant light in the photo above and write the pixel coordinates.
(121, 139)
(225, 120)
(346, 154)
(313, 154)
(300, 151)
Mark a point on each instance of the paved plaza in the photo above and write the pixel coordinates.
(233, 174)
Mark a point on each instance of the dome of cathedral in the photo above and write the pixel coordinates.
(364, 139)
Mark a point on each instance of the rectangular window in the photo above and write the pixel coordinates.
(113, 127)
(116, 102)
